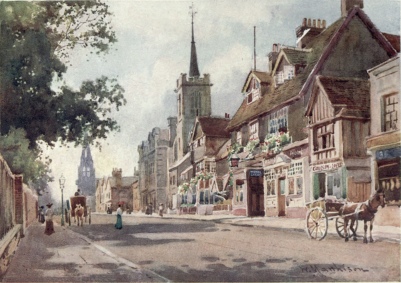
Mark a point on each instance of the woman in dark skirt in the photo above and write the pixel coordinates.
(49, 220)
(119, 223)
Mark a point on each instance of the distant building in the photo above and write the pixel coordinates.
(113, 191)
(86, 182)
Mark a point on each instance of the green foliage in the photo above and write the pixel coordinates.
(14, 147)
(35, 41)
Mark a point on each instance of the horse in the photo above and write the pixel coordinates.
(79, 214)
(361, 211)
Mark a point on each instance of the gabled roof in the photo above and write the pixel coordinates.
(348, 96)
(262, 77)
(125, 181)
(211, 127)
(344, 22)
(292, 90)
(294, 56)
(394, 40)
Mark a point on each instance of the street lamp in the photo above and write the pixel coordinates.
(62, 182)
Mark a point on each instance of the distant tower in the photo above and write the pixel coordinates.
(86, 182)
(194, 98)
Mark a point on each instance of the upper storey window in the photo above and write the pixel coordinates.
(253, 130)
(288, 72)
(278, 121)
(253, 91)
(391, 121)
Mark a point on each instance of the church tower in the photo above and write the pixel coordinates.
(86, 182)
(193, 97)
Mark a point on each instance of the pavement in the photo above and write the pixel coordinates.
(67, 256)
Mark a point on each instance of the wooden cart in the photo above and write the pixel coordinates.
(319, 213)
(75, 200)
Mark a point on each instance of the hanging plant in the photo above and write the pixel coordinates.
(274, 143)
(252, 144)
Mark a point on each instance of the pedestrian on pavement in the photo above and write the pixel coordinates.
(41, 214)
(119, 223)
(161, 208)
(49, 220)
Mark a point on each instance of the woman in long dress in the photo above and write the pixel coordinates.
(119, 223)
(49, 220)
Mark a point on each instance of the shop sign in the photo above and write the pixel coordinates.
(390, 153)
(255, 173)
(327, 166)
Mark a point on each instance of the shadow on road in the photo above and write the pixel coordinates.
(107, 232)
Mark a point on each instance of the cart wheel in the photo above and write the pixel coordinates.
(316, 224)
(340, 227)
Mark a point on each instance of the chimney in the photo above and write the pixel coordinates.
(347, 5)
(309, 29)
(273, 56)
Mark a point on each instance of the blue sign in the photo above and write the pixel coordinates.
(255, 173)
(390, 153)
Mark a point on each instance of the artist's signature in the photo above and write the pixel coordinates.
(331, 268)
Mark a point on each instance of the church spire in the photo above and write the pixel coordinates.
(193, 67)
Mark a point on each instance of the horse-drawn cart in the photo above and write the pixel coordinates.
(79, 210)
(320, 212)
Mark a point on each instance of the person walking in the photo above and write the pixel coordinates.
(119, 223)
(49, 220)
(161, 208)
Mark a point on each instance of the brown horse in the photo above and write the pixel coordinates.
(361, 211)
(79, 214)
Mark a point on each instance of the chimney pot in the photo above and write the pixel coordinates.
(309, 22)
(314, 23)
(324, 24)
(304, 22)
(318, 23)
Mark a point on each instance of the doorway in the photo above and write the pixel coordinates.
(256, 204)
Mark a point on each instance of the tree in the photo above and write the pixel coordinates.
(14, 148)
(35, 37)
(36, 40)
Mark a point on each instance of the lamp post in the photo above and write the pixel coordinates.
(62, 182)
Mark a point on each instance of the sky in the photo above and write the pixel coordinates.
(153, 49)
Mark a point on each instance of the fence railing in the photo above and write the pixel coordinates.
(7, 198)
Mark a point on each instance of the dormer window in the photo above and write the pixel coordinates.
(279, 78)
(288, 72)
(253, 91)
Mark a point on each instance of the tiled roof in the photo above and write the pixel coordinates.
(350, 94)
(125, 181)
(214, 126)
(394, 40)
(286, 93)
(295, 56)
(263, 77)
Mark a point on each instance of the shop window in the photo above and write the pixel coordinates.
(299, 185)
(333, 184)
(391, 109)
(291, 186)
(239, 194)
(270, 188)
(390, 180)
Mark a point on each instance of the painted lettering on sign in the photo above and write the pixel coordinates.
(326, 167)
(254, 173)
